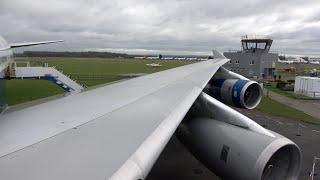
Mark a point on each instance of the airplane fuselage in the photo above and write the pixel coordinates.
(6, 56)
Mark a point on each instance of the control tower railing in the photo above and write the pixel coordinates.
(246, 37)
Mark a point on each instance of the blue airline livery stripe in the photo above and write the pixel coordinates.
(216, 90)
(236, 91)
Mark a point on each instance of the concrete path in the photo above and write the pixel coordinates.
(310, 107)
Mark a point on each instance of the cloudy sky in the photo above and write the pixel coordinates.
(166, 26)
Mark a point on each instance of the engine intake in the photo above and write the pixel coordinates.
(235, 90)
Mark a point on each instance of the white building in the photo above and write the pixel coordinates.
(308, 86)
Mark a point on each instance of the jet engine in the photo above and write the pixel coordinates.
(234, 89)
(234, 146)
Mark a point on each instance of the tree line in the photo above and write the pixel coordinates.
(72, 54)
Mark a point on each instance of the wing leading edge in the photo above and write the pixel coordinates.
(115, 132)
(24, 44)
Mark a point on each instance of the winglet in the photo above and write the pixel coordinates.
(218, 55)
(17, 45)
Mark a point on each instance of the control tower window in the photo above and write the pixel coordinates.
(251, 45)
(268, 47)
(244, 45)
(261, 45)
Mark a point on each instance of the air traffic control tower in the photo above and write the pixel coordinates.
(254, 60)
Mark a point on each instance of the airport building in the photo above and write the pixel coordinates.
(254, 60)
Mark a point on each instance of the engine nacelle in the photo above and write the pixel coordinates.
(234, 146)
(236, 153)
(234, 89)
(236, 92)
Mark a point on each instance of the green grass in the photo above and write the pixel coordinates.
(88, 71)
(20, 91)
(94, 71)
(272, 107)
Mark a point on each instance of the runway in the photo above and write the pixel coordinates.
(176, 162)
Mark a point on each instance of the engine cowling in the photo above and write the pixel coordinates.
(234, 146)
(236, 92)
(236, 153)
(234, 89)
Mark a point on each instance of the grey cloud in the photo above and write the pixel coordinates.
(168, 25)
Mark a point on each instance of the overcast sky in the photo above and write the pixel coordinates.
(166, 26)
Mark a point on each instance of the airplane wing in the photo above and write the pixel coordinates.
(112, 132)
(17, 45)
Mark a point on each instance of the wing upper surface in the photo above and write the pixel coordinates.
(92, 134)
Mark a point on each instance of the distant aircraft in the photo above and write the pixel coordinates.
(153, 57)
(118, 131)
(191, 58)
(285, 61)
(154, 65)
(293, 60)
(140, 57)
(314, 62)
(180, 58)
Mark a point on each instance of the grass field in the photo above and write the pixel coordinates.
(94, 71)
(273, 107)
(87, 71)
(19, 91)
